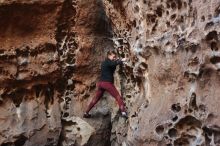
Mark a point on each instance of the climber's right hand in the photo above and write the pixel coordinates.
(124, 59)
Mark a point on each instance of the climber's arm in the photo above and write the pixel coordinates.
(117, 62)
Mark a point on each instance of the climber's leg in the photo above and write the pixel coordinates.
(99, 94)
(108, 86)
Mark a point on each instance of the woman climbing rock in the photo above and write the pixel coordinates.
(106, 83)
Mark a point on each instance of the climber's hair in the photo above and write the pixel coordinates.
(110, 52)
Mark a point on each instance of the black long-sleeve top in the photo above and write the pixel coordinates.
(108, 68)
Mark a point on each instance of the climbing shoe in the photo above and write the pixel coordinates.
(86, 115)
(124, 114)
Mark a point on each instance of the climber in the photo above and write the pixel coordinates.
(106, 83)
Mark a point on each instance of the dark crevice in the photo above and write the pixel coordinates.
(172, 132)
(17, 96)
(188, 120)
(175, 118)
(159, 11)
(192, 103)
(215, 59)
(49, 96)
(176, 107)
(160, 129)
(103, 24)
(214, 46)
(212, 36)
(21, 139)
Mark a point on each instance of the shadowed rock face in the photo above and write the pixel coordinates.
(50, 55)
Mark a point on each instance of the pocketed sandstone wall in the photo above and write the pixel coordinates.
(172, 78)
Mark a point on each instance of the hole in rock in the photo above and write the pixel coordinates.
(68, 123)
(214, 46)
(175, 118)
(128, 96)
(159, 129)
(65, 114)
(70, 59)
(50, 141)
(190, 110)
(179, 4)
(172, 132)
(192, 103)
(151, 18)
(136, 9)
(49, 93)
(208, 133)
(17, 96)
(181, 20)
(19, 142)
(215, 59)
(168, 23)
(208, 25)
(188, 121)
(170, 124)
(140, 45)
(212, 35)
(185, 111)
(159, 11)
(202, 18)
(192, 47)
(144, 65)
(176, 107)
(183, 141)
(38, 89)
(67, 99)
(202, 107)
(173, 5)
(210, 117)
(172, 17)
(185, 4)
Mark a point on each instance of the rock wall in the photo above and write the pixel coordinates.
(171, 80)
(50, 55)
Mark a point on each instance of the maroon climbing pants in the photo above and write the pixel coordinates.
(109, 87)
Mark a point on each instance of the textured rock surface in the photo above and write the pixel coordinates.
(172, 79)
(50, 54)
(49, 63)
